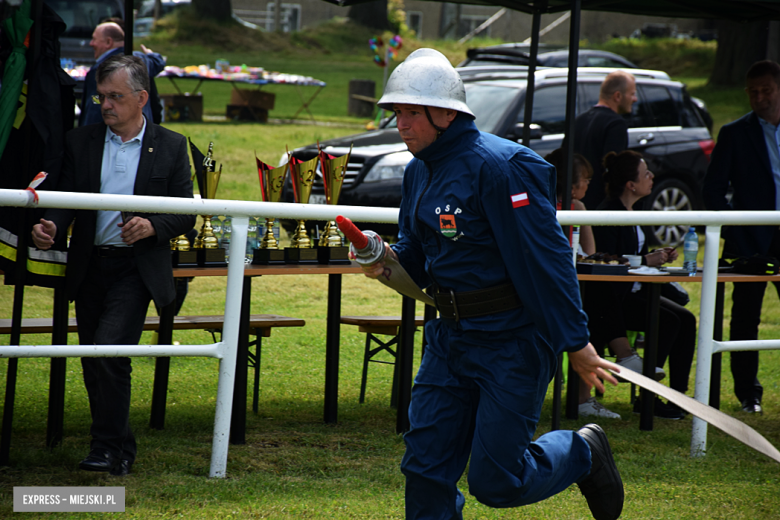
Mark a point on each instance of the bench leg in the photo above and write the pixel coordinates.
(368, 358)
(254, 361)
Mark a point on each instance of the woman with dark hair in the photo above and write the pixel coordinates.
(627, 181)
(579, 186)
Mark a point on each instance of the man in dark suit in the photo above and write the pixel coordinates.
(602, 129)
(108, 39)
(118, 263)
(747, 157)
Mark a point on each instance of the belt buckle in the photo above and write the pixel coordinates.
(454, 306)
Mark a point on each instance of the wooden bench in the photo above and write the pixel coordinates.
(260, 326)
(383, 325)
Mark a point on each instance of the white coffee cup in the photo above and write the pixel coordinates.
(634, 260)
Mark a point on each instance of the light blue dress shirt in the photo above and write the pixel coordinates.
(772, 138)
(117, 177)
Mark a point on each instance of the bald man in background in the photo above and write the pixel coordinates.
(108, 39)
(602, 129)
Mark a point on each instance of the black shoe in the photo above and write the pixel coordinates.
(673, 407)
(752, 405)
(122, 469)
(662, 410)
(602, 488)
(99, 460)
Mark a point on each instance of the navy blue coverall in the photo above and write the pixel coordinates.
(478, 211)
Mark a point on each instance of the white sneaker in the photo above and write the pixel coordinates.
(634, 362)
(593, 408)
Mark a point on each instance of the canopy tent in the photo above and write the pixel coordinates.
(740, 11)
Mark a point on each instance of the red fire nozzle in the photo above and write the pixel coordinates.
(368, 247)
(351, 231)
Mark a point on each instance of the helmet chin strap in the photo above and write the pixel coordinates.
(439, 129)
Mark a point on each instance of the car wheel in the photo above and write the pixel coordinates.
(670, 195)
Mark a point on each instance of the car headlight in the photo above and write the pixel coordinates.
(390, 166)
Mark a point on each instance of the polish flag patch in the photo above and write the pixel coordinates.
(519, 200)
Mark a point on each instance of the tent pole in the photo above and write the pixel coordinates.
(572, 394)
(129, 28)
(529, 89)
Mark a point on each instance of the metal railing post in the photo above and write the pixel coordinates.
(227, 364)
(709, 288)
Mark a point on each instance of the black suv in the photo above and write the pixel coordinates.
(666, 126)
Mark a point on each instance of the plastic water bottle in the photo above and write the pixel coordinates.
(227, 231)
(216, 226)
(575, 242)
(690, 251)
(251, 239)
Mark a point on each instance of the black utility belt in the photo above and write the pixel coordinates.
(113, 252)
(471, 304)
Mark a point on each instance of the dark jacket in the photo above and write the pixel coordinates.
(741, 159)
(163, 170)
(597, 132)
(617, 240)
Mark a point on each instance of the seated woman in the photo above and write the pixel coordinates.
(616, 307)
(583, 171)
(580, 179)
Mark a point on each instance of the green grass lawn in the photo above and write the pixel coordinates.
(294, 466)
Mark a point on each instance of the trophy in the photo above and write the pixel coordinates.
(331, 248)
(206, 244)
(182, 253)
(271, 182)
(301, 250)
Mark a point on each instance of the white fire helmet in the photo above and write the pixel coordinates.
(426, 78)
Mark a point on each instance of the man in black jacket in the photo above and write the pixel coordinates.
(118, 263)
(601, 129)
(747, 158)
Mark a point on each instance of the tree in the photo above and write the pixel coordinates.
(219, 10)
(371, 14)
(739, 46)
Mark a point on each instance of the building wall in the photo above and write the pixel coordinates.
(513, 26)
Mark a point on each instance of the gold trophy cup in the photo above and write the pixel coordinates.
(207, 245)
(301, 250)
(271, 182)
(331, 248)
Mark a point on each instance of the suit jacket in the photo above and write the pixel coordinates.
(741, 159)
(163, 171)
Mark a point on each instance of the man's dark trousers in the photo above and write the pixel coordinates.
(745, 318)
(111, 308)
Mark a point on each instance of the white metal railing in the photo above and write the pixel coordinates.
(226, 350)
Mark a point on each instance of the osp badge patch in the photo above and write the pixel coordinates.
(448, 227)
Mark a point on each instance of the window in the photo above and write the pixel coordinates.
(414, 22)
(549, 109)
(469, 22)
(290, 19)
(661, 105)
(600, 61)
